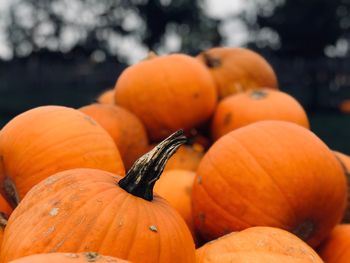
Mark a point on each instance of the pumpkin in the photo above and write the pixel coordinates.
(68, 257)
(167, 93)
(49, 139)
(93, 210)
(238, 110)
(125, 128)
(176, 187)
(5, 212)
(259, 245)
(345, 162)
(186, 158)
(106, 97)
(238, 69)
(336, 248)
(270, 173)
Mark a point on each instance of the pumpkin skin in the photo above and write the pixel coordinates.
(187, 157)
(239, 110)
(106, 97)
(68, 257)
(125, 128)
(94, 210)
(257, 244)
(345, 162)
(270, 173)
(176, 187)
(167, 93)
(238, 69)
(336, 248)
(49, 139)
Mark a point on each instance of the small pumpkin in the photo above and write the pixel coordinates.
(125, 128)
(270, 173)
(49, 139)
(167, 93)
(345, 162)
(106, 97)
(176, 187)
(93, 210)
(239, 110)
(238, 69)
(69, 257)
(187, 157)
(336, 248)
(258, 245)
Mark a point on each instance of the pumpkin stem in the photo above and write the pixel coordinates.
(141, 177)
(210, 61)
(258, 94)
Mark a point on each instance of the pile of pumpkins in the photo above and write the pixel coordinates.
(188, 159)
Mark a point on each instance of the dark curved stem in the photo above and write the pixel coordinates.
(3, 220)
(210, 61)
(141, 177)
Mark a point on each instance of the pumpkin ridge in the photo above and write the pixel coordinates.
(288, 202)
(242, 197)
(140, 179)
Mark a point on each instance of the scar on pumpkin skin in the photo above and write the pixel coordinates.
(227, 118)
(91, 120)
(153, 228)
(11, 192)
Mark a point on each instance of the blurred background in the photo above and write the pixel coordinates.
(66, 52)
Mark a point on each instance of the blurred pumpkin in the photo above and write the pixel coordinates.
(68, 257)
(167, 93)
(125, 128)
(176, 187)
(270, 173)
(258, 245)
(336, 248)
(345, 162)
(93, 210)
(239, 110)
(49, 139)
(106, 97)
(186, 158)
(238, 69)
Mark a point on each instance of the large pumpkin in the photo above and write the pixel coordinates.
(126, 129)
(68, 258)
(167, 93)
(176, 187)
(93, 210)
(238, 69)
(258, 245)
(336, 248)
(49, 139)
(345, 163)
(270, 173)
(245, 108)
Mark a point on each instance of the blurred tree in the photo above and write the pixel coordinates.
(304, 28)
(109, 27)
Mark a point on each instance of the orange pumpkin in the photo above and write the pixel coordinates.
(345, 162)
(167, 93)
(176, 187)
(186, 158)
(5, 212)
(245, 108)
(259, 245)
(106, 97)
(68, 257)
(336, 248)
(49, 139)
(93, 210)
(126, 129)
(270, 173)
(238, 69)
